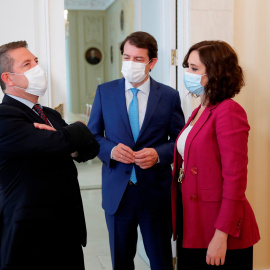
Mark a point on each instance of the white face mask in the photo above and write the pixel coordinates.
(134, 72)
(37, 81)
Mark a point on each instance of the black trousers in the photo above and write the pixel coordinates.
(195, 259)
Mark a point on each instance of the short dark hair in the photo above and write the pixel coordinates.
(225, 76)
(6, 62)
(142, 40)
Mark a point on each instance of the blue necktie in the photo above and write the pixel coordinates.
(133, 113)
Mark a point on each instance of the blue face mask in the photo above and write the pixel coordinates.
(193, 83)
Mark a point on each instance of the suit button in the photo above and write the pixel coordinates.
(193, 198)
(127, 172)
(194, 170)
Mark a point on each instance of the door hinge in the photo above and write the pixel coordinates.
(174, 57)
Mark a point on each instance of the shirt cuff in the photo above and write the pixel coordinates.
(111, 153)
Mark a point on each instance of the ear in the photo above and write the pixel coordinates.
(204, 80)
(6, 79)
(153, 63)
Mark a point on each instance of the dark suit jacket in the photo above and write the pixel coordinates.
(40, 201)
(109, 123)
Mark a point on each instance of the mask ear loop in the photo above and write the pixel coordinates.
(14, 73)
(17, 74)
(148, 63)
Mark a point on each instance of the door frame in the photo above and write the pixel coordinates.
(171, 37)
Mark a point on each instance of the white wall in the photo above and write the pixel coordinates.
(156, 18)
(114, 35)
(41, 24)
(23, 26)
(210, 20)
(252, 43)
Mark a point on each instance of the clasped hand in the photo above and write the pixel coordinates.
(145, 158)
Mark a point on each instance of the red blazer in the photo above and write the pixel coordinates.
(215, 179)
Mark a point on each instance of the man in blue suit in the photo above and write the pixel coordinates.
(136, 121)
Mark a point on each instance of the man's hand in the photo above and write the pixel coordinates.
(43, 126)
(146, 158)
(123, 153)
(217, 249)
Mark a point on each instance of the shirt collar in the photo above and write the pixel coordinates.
(24, 101)
(145, 87)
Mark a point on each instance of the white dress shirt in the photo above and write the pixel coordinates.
(181, 143)
(142, 96)
(28, 103)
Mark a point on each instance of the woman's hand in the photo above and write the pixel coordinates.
(217, 249)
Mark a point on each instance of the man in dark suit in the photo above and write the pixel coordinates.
(42, 222)
(136, 121)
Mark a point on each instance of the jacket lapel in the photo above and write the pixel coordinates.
(196, 128)
(119, 90)
(152, 102)
(15, 103)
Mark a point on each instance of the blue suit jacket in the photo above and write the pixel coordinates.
(109, 123)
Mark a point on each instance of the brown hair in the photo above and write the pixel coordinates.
(142, 40)
(6, 62)
(225, 76)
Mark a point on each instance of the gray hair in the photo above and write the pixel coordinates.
(6, 62)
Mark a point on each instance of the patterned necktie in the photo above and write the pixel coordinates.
(40, 112)
(133, 113)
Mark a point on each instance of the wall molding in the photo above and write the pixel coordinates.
(42, 44)
(183, 44)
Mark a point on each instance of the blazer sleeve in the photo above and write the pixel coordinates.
(177, 122)
(20, 139)
(232, 130)
(96, 126)
(83, 140)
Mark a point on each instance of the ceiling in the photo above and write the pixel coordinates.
(87, 4)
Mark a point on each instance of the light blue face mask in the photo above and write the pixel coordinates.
(193, 83)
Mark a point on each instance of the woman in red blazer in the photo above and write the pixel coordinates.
(212, 219)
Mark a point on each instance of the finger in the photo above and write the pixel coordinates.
(140, 162)
(212, 261)
(217, 262)
(208, 260)
(125, 148)
(43, 126)
(126, 159)
(144, 167)
(140, 154)
(127, 154)
(123, 156)
(222, 261)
